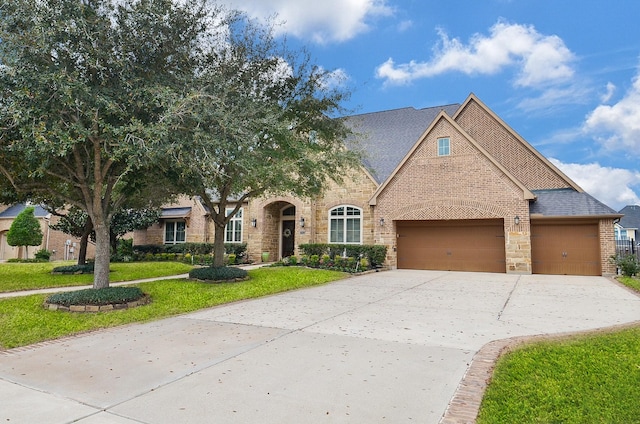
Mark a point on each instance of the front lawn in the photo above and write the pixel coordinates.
(631, 282)
(588, 379)
(24, 321)
(28, 276)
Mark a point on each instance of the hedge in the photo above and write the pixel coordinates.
(375, 254)
(223, 273)
(74, 269)
(98, 297)
(196, 253)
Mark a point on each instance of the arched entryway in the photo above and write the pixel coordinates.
(279, 233)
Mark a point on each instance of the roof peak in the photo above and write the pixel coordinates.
(412, 108)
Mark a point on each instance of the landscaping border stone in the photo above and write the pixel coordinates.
(146, 299)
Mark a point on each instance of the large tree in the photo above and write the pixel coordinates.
(85, 89)
(258, 120)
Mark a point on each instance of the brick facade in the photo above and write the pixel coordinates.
(510, 150)
(52, 240)
(463, 185)
(487, 175)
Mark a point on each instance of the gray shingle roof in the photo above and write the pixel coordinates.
(568, 202)
(631, 218)
(387, 136)
(14, 210)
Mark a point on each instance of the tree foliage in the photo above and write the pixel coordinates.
(84, 86)
(257, 121)
(25, 230)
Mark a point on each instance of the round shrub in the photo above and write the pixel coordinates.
(222, 273)
(74, 269)
(98, 297)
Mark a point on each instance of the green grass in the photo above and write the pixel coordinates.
(28, 276)
(588, 379)
(24, 321)
(631, 282)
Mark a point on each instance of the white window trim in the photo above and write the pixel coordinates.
(344, 218)
(448, 146)
(164, 231)
(233, 222)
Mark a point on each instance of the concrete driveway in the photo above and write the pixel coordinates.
(383, 347)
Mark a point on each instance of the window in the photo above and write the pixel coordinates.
(233, 231)
(345, 225)
(444, 146)
(620, 233)
(175, 232)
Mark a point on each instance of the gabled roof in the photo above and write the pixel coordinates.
(14, 210)
(631, 218)
(387, 136)
(567, 202)
(522, 142)
(442, 115)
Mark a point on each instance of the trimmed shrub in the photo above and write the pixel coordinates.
(74, 269)
(98, 297)
(222, 273)
(43, 255)
(202, 250)
(628, 264)
(375, 254)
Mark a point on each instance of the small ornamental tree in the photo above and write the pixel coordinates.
(25, 230)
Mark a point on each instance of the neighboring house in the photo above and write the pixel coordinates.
(627, 227)
(60, 244)
(445, 188)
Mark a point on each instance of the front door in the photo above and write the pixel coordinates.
(288, 238)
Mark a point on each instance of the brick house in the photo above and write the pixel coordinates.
(61, 245)
(450, 187)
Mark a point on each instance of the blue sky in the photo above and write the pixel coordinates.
(565, 74)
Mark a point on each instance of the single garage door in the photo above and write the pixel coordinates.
(457, 245)
(565, 248)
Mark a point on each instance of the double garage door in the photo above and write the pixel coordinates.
(571, 248)
(469, 245)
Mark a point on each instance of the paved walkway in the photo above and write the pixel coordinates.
(384, 347)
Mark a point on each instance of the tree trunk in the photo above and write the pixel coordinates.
(218, 244)
(103, 255)
(84, 241)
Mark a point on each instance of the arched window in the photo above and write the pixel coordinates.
(345, 225)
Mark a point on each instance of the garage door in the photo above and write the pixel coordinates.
(469, 245)
(565, 248)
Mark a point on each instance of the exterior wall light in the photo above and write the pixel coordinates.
(382, 222)
(254, 222)
(516, 220)
(302, 221)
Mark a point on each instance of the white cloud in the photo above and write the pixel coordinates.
(611, 89)
(617, 127)
(539, 59)
(614, 187)
(322, 21)
(554, 97)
